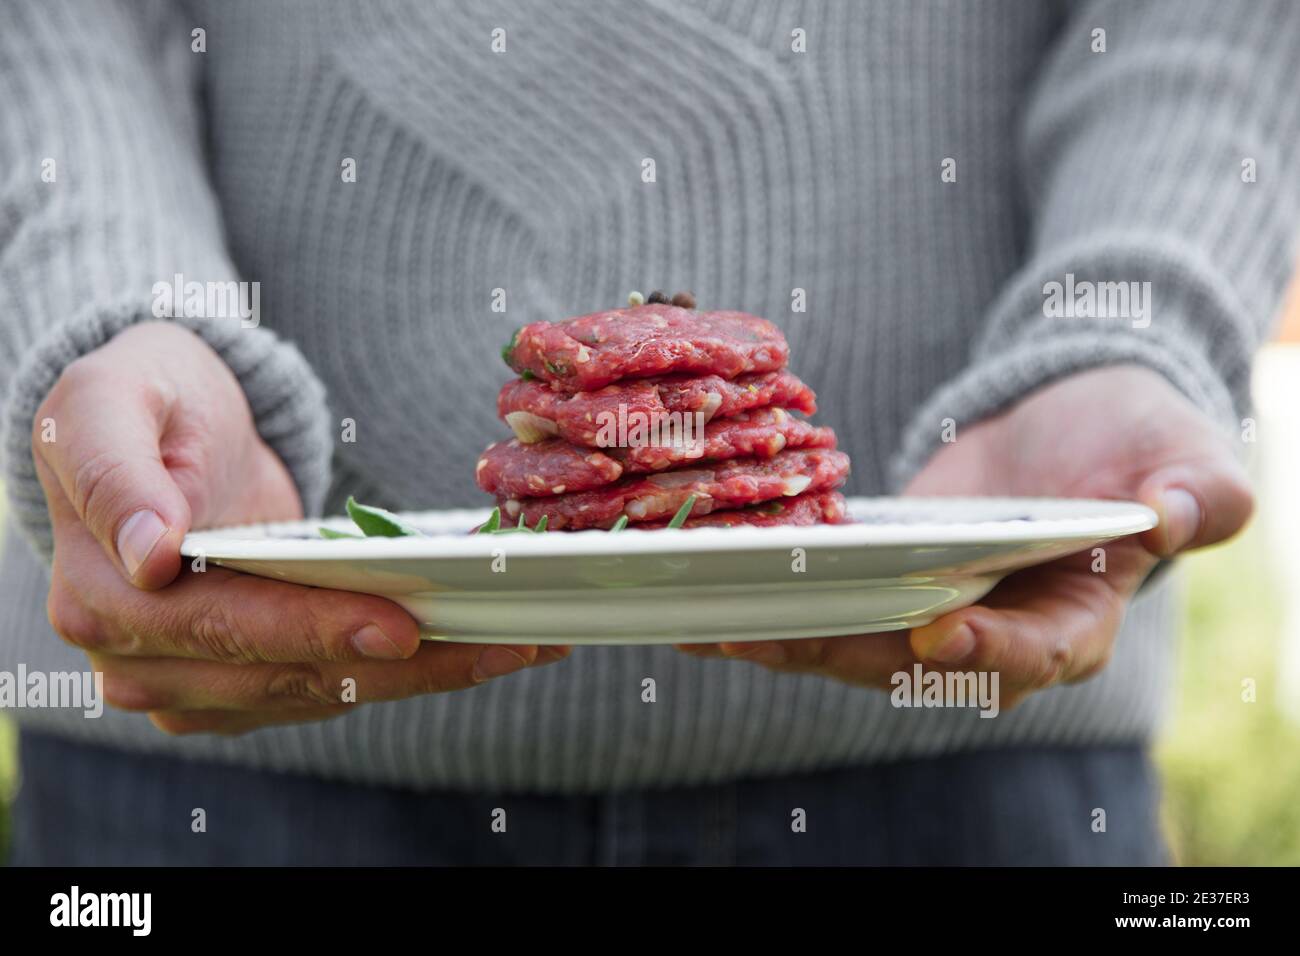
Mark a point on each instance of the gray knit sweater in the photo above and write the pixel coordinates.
(920, 171)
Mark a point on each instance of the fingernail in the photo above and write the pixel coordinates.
(550, 653)
(1180, 513)
(497, 661)
(137, 537)
(371, 641)
(956, 647)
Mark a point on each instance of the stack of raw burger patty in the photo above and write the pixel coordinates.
(756, 462)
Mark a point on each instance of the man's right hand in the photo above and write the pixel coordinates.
(153, 436)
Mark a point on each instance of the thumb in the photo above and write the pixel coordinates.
(1198, 503)
(105, 471)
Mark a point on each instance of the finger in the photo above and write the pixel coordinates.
(869, 660)
(1042, 626)
(234, 722)
(552, 653)
(1197, 504)
(219, 615)
(700, 650)
(105, 468)
(167, 684)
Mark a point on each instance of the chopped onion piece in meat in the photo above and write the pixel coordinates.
(678, 479)
(712, 401)
(530, 428)
(796, 485)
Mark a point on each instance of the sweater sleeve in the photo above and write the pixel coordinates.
(103, 194)
(1160, 144)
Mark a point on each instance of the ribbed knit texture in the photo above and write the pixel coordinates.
(521, 171)
(109, 96)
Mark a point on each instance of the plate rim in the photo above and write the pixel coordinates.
(1114, 518)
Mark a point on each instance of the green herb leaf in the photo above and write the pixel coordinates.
(378, 523)
(332, 534)
(508, 349)
(683, 513)
(492, 524)
(620, 524)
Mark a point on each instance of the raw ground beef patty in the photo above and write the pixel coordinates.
(552, 467)
(719, 486)
(824, 507)
(591, 351)
(578, 417)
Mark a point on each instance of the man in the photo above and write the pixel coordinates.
(907, 189)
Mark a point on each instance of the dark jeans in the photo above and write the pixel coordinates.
(86, 805)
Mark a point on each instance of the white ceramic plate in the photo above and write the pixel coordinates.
(905, 562)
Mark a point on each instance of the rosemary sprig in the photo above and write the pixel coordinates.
(683, 513)
(378, 523)
(493, 525)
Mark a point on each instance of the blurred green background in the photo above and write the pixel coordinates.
(1231, 769)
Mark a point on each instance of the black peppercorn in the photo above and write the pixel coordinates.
(657, 297)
